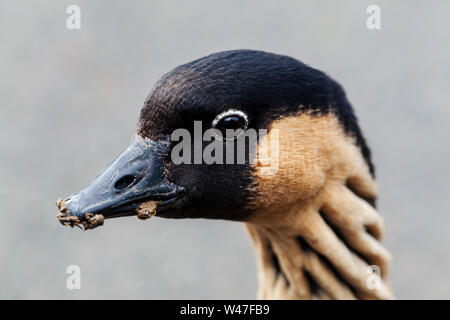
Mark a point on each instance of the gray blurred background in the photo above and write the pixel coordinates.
(69, 103)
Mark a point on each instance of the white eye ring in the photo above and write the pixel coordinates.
(228, 113)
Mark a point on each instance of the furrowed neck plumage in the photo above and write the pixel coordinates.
(315, 230)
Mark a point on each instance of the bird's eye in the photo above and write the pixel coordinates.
(231, 119)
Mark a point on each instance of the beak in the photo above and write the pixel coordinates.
(130, 183)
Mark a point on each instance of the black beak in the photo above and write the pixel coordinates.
(134, 178)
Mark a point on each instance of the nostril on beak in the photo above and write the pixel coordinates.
(124, 182)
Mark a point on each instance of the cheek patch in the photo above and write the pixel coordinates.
(312, 149)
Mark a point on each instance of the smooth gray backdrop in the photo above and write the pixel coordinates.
(69, 102)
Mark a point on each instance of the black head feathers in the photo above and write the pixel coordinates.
(265, 85)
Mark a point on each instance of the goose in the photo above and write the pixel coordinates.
(313, 220)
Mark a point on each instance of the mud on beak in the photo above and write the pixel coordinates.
(131, 185)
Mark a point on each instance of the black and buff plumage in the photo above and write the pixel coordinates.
(313, 221)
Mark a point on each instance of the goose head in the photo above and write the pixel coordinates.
(240, 89)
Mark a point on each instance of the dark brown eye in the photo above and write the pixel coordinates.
(231, 119)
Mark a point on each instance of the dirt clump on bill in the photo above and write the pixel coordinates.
(90, 220)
